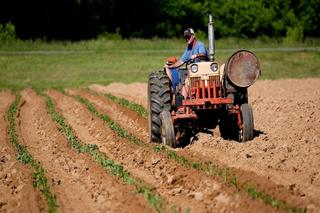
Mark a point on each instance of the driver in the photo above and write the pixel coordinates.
(195, 50)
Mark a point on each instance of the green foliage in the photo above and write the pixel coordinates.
(166, 18)
(272, 18)
(294, 34)
(240, 18)
(175, 16)
(110, 36)
(7, 32)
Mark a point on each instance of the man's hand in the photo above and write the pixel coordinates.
(194, 56)
(168, 66)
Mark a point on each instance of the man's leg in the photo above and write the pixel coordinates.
(185, 88)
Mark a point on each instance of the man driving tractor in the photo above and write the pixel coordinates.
(195, 50)
(213, 95)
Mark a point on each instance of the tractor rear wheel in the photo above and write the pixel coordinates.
(159, 99)
(246, 133)
(168, 136)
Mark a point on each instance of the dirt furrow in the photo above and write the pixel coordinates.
(79, 184)
(184, 187)
(130, 120)
(286, 148)
(125, 117)
(16, 191)
(135, 92)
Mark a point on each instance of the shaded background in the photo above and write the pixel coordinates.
(86, 19)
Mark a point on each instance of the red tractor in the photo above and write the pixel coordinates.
(217, 96)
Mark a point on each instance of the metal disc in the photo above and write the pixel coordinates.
(243, 68)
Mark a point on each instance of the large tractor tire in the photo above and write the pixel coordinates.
(168, 136)
(159, 99)
(246, 133)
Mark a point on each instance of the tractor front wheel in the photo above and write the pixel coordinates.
(168, 136)
(246, 132)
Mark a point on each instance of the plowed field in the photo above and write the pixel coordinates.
(96, 157)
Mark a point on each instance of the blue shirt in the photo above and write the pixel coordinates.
(194, 50)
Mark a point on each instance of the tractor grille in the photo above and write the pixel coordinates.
(198, 91)
(194, 80)
(212, 79)
(215, 79)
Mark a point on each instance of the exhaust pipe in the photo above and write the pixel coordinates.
(211, 38)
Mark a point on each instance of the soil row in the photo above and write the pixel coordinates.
(78, 183)
(81, 185)
(16, 184)
(185, 187)
(205, 152)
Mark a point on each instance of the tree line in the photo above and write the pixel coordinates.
(85, 19)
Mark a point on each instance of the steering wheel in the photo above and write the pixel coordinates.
(203, 57)
(190, 61)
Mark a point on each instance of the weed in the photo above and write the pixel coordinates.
(39, 179)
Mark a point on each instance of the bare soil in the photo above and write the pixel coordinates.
(16, 191)
(286, 149)
(79, 184)
(135, 92)
(283, 159)
(180, 187)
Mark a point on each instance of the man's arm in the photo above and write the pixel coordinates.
(199, 55)
(176, 65)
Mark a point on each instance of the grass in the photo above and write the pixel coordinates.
(80, 64)
(209, 168)
(117, 170)
(39, 179)
(174, 44)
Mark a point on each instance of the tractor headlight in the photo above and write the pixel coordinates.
(194, 68)
(214, 67)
